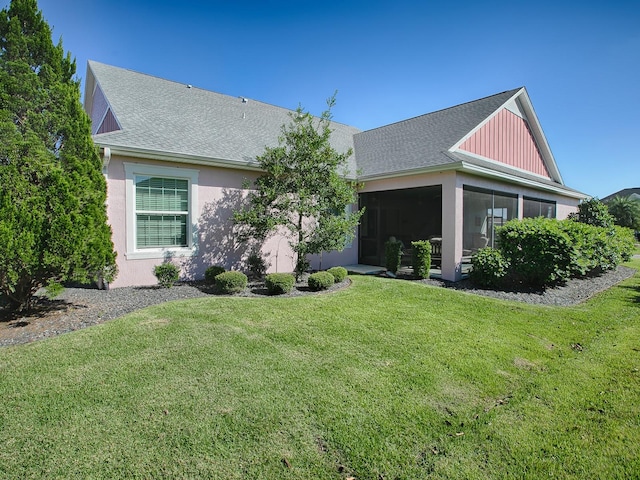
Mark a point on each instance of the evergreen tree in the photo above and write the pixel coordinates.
(53, 224)
(302, 190)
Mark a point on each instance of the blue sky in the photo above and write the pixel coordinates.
(392, 60)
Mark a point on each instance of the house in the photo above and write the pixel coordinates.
(632, 193)
(177, 160)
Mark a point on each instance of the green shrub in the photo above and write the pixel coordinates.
(257, 265)
(593, 212)
(279, 283)
(339, 273)
(539, 251)
(624, 242)
(590, 243)
(421, 258)
(231, 282)
(167, 274)
(320, 281)
(393, 255)
(598, 248)
(212, 272)
(489, 267)
(302, 265)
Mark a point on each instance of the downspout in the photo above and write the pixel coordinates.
(105, 153)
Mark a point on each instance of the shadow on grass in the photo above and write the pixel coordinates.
(636, 289)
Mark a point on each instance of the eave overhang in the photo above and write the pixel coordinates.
(107, 150)
(486, 172)
(163, 156)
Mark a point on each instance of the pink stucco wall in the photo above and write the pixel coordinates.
(220, 193)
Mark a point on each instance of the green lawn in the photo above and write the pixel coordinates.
(387, 379)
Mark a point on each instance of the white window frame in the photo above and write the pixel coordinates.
(132, 170)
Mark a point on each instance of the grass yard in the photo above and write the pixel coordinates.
(387, 379)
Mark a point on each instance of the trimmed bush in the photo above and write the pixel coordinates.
(421, 258)
(211, 273)
(393, 255)
(320, 281)
(489, 267)
(539, 251)
(167, 274)
(231, 282)
(279, 283)
(257, 265)
(339, 273)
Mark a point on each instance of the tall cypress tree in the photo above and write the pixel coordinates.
(53, 222)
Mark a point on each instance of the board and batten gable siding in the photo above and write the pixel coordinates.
(507, 138)
(109, 124)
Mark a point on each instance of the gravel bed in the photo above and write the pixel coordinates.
(575, 291)
(78, 308)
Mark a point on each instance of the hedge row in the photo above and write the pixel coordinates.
(540, 252)
(276, 283)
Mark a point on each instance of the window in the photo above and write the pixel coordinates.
(483, 211)
(162, 209)
(535, 207)
(161, 203)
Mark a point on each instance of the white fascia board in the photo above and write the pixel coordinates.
(89, 87)
(487, 172)
(178, 157)
(92, 84)
(464, 153)
(540, 137)
(456, 145)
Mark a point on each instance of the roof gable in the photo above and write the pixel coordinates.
(422, 142)
(507, 138)
(512, 135)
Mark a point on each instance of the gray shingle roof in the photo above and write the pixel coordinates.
(423, 141)
(624, 193)
(169, 117)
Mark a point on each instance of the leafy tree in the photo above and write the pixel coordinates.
(626, 211)
(52, 191)
(593, 212)
(302, 190)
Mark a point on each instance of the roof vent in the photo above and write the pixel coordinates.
(244, 100)
(189, 86)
